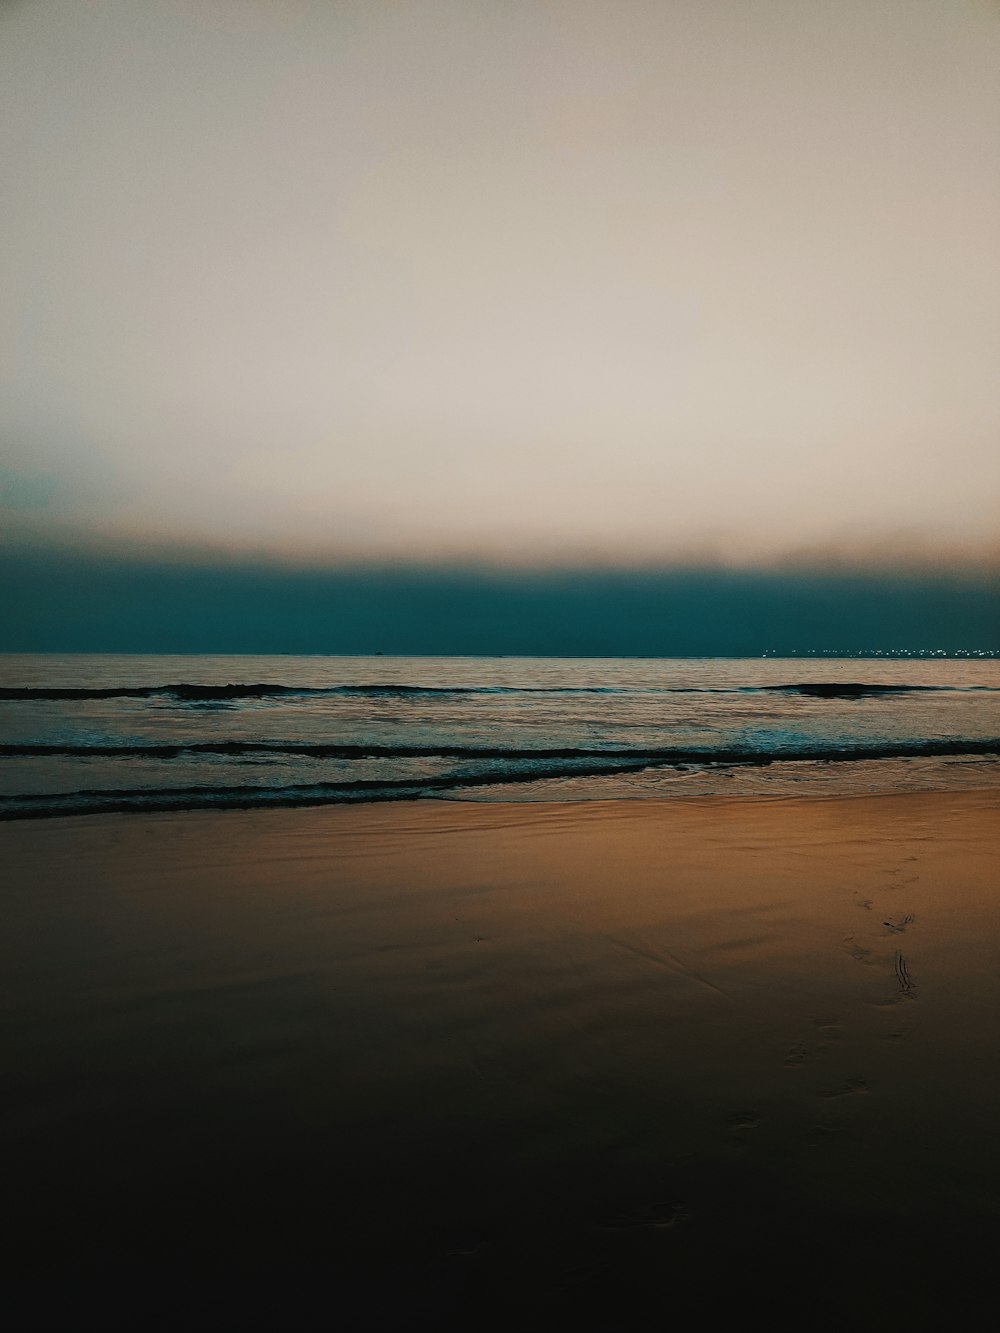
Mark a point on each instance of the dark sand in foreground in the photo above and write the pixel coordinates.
(438, 1065)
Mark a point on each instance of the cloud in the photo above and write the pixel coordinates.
(77, 601)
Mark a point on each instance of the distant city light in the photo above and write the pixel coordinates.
(952, 654)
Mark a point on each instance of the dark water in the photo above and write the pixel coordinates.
(82, 734)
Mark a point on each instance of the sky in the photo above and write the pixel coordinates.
(556, 283)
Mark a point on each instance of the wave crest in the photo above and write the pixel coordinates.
(507, 767)
(186, 692)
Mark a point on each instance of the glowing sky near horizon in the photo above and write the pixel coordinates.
(527, 281)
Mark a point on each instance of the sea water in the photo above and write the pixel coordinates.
(85, 733)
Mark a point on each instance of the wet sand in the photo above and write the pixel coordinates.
(443, 1065)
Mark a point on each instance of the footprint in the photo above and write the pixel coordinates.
(897, 927)
(852, 1086)
(856, 950)
(828, 1031)
(827, 1128)
(902, 974)
(831, 1030)
(738, 1127)
(895, 876)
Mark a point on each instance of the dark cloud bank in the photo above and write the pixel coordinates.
(60, 602)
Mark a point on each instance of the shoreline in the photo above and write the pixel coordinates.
(450, 1063)
(912, 778)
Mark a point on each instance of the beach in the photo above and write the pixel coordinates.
(440, 1064)
(499, 667)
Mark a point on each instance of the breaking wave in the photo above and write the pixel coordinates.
(185, 692)
(508, 766)
(431, 749)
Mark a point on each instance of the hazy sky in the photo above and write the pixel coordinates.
(522, 280)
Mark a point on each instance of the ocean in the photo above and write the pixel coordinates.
(82, 734)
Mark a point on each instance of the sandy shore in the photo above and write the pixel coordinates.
(441, 1065)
